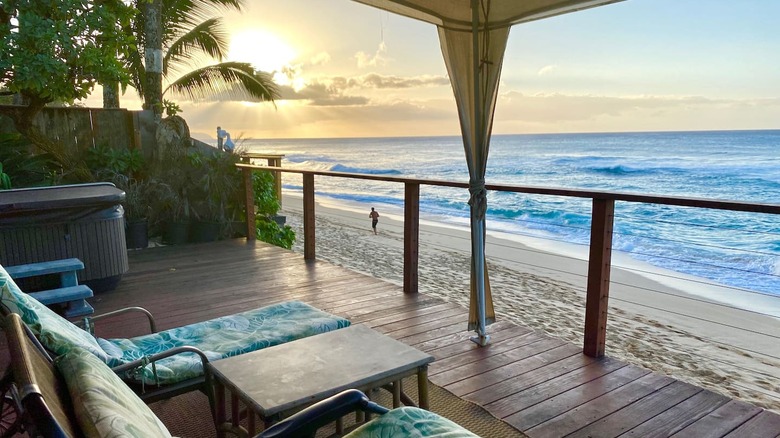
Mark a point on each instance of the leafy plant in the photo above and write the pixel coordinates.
(266, 206)
(58, 52)
(138, 196)
(266, 203)
(5, 180)
(169, 205)
(174, 168)
(105, 161)
(269, 231)
(24, 167)
(171, 108)
(220, 183)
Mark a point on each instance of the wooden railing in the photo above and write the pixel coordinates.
(273, 160)
(602, 218)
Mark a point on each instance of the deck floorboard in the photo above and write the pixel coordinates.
(541, 385)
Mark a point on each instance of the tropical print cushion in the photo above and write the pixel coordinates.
(55, 332)
(221, 337)
(410, 422)
(104, 405)
(218, 338)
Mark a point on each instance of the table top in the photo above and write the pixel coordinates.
(297, 373)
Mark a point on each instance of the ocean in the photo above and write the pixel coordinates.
(740, 250)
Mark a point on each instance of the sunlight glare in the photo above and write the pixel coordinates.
(264, 50)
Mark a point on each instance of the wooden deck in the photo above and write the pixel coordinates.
(543, 386)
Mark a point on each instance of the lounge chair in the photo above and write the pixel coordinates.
(83, 398)
(405, 421)
(174, 358)
(78, 395)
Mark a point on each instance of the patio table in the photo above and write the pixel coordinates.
(275, 382)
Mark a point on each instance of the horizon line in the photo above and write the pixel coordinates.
(516, 134)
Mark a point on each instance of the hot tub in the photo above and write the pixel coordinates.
(49, 223)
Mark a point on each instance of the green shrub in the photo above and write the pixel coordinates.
(5, 180)
(24, 167)
(270, 232)
(104, 162)
(266, 206)
(266, 203)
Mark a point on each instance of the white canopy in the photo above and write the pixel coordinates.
(457, 14)
(473, 36)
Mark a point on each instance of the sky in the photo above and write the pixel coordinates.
(350, 70)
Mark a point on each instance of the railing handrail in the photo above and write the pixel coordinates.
(601, 229)
(260, 155)
(716, 204)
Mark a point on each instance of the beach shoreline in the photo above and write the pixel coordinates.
(664, 325)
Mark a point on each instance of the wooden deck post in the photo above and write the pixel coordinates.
(596, 305)
(249, 205)
(276, 161)
(411, 236)
(308, 217)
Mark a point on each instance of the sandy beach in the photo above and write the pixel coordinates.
(671, 326)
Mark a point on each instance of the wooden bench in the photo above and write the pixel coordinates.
(71, 294)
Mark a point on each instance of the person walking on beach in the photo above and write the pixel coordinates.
(374, 215)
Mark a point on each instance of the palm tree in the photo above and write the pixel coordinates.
(191, 33)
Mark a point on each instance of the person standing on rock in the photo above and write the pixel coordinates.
(221, 133)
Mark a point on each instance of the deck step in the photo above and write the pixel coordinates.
(72, 296)
(45, 268)
(78, 308)
(63, 294)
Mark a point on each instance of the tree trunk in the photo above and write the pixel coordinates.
(153, 56)
(111, 95)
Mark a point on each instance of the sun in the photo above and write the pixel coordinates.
(264, 50)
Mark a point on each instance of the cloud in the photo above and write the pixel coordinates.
(374, 80)
(321, 58)
(299, 120)
(547, 70)
(332, 91)
(321, 94)
(377, 81)
(378, 59)
(292, 72)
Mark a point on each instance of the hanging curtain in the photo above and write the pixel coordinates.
(473, 62)
(473, 36)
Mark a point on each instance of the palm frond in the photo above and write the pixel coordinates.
(207, 37)
(225, 81)
(186, 13)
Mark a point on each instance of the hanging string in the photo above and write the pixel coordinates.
(485, 62)
(381, 30)
(485, 65)
(478, 196)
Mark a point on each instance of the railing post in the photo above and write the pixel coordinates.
(411, 236)
(308, 216)
(277, 162)
(249, 205)
(597, 300)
